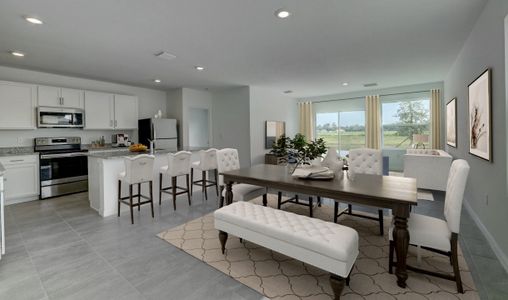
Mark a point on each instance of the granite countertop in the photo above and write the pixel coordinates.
(123, 153)
(13, 151)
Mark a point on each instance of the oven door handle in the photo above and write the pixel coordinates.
(46, 156)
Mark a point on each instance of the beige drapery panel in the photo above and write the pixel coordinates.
(372, 122)
(435, 115)
(306, 120)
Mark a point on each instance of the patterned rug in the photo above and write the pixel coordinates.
(280, 277)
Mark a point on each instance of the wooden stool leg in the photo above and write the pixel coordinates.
(216, 173)
(160, 188)
(455, 263)
(151, 197)
(335, 211)
(139, 196)
(221, 204)
(265, 199)
(188, 188)
(173, 188)
(390, 257)
(319, 201)
(119, 195)
(130, 201)
(203, 182)
(311, 204)
(223, 237)
(381, 223)
(192, 181)
(337, 284)
(349, 209)
(279, 199)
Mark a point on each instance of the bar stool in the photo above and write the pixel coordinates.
(207, 162)
(179, 164)
(138, 170)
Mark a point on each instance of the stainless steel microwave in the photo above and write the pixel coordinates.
(54, 117)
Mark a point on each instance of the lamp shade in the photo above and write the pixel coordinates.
(421, 138)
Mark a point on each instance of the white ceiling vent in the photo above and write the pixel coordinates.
(370, 84)
(165, 55)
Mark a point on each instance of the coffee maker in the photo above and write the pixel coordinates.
(120, 140)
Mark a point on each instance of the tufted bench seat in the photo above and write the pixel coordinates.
(328, 246)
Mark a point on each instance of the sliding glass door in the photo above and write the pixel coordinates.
(341, 124)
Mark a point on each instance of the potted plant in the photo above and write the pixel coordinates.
(305, 152)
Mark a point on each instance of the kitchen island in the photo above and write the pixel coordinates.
(105, 166)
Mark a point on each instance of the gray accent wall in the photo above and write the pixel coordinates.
(269, 105)
(231, 121)
(486, 188)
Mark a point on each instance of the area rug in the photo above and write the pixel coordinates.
(280, 277)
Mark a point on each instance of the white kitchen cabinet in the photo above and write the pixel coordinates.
(21, 178)
(108, 111)
(126, 112)
(17, 105)
(99, 110)
(59, 97)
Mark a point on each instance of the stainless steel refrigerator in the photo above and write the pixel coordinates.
(164, 133)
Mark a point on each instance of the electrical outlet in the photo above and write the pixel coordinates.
(486, 200)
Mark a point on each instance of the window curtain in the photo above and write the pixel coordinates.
(372, 122)
(306, 120)
(435, 115)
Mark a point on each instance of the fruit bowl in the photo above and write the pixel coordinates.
(138, 148)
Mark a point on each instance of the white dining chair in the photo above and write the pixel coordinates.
(228, 160)
(138, 170)
(207, 162)
(437, 235)
(363, 161)
(179, 164)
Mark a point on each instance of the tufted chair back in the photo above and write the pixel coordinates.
(227, 160)
(365, 161)
(179, 163)
(457, 179)
(138, 168)
(208, 159)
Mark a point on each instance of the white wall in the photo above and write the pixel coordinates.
(199, 127)
(269, 105)
(486, 188)
(150, 101)
(231, 121)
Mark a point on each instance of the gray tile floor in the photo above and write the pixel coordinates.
(61, 249)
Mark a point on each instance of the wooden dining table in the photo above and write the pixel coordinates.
(396, 193)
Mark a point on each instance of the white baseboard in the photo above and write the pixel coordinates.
(490, 239)
(21, 200)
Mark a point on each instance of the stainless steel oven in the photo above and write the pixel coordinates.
(63, 166)
(54, 117)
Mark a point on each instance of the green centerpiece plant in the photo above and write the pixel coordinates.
(298, 149)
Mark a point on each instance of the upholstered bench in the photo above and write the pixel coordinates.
(328, 246)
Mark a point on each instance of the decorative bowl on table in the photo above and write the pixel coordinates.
(138, 148)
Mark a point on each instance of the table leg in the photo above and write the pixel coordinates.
(229, 192)
(401, 240)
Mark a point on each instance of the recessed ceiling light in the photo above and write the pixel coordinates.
(288, 92)
(282, 13)
(17, 53)
(34, 20)
(345, 83)
(199, 68)
(157, 81)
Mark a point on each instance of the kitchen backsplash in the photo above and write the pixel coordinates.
(23, 138)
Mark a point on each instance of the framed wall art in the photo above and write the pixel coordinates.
(480, 121)
(451, 123)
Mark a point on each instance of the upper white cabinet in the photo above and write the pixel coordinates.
(126, 112)
(17, 105)
(109, 111)
(60, 97)
(99, 110)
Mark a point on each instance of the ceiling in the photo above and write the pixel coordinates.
(241, 42)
